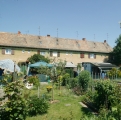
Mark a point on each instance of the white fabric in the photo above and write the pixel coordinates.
(8, 65)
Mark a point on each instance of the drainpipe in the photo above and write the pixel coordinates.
(100, 72)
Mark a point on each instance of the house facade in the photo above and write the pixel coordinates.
(19, 47)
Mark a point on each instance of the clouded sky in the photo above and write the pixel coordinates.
(95, 20)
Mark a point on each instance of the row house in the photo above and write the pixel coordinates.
(19, 47)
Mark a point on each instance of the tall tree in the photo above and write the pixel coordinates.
(117, 52)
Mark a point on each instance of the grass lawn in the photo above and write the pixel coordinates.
(65, 106)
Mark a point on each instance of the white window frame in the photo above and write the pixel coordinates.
(8, 51)
(42, 53)
(28, 51)
(55, 54)
(71, 53)
(92, 56)
(23, 51)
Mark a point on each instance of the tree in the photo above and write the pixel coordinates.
(117, 52)
(54, 72)
(37, 57)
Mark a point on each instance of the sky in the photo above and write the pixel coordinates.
(95, 20)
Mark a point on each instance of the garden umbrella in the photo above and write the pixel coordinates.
(8, 65)
(39, 64)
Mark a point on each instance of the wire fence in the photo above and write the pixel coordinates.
(104, 76)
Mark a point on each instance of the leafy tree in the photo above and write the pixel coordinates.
(37, 57)
(117, 52)
(54, 72)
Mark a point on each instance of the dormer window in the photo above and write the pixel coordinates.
(40, 42)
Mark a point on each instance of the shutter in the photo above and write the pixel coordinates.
(88, 55)
(82, 55)
(95, 56)
(3, 51)
(12, 52)
(58, 54)
(38, 52)
(51, 53)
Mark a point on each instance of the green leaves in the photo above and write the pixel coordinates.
(15, 107)
(116, 52)
(34, 80)
(105, 90)
(84, 78)
(37, 58)
(37, 106)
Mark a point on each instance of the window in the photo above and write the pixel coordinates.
(66, 53)
(8, 51)
(23, 51)
(54, 54)
(42, 53)
(28, 51)
(92, 56)
(71, 53)
(82, 55)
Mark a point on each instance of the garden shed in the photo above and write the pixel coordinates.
(98, 69)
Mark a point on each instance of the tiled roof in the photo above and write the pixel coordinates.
(45, 42)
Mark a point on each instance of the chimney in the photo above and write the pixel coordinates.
(104, 41)
(84, 39)
(48, 35)
(19, 32)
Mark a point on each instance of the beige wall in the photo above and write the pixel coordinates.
(18, 56)
(74, 57)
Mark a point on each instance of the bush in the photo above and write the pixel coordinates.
(65, 78)
(73, 82)
(34, 80)
(84, 78)
(105, 94)
(15, 106)
(77, 90)
(37, 106)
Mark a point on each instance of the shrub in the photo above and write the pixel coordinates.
(34, 80)
(105, 94)
(84, 78)
(77, 90)
(73, 82)
(15, 106)
(49, 88)
(37, 106)
(65, 78)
